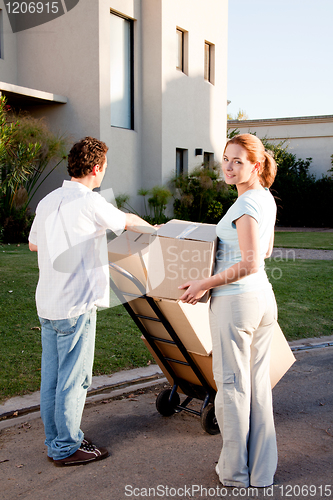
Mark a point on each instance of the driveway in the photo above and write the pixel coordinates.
(172, 457)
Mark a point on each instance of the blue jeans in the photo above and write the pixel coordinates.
(67, 361)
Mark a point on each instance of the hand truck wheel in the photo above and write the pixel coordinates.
(163, 404)
(208, 420)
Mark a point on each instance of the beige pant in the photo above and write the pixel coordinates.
(242, 327)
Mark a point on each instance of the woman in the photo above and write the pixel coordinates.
(242, 317)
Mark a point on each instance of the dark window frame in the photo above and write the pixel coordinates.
(182, 163)
(209, 62)
(181, 36)
(208, 159)
(131, 60)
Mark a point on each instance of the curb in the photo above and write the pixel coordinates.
(104, 387)
(305, 347)
(16, 409)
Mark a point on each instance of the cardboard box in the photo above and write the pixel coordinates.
(282, 359)
(180, 251)
(190, 323)
(204, 363)
(155, 328)
(130, 252)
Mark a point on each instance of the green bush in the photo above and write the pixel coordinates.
(26, 149)
(16, 227)
(302, 200)
(157, 201)
(159, 197)
(201, 196)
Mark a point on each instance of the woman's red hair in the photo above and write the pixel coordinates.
(256, 153)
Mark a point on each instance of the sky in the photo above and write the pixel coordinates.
(280, 58)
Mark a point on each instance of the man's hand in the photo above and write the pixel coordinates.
(195, 290)
(32, 247)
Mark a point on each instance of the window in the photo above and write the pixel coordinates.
(209, 70)
(182, 57)
(121, 78)
(181, 161)
(180, 47)
(208, 159)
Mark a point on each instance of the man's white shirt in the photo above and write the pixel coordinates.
(70, 233)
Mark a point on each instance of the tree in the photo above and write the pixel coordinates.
(26, 149)
(241, 115)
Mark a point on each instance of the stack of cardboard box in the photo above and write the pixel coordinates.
(177, 252)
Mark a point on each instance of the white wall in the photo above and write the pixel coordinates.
(194, 110)
(62, 57)
(8, 61)
(70, 56)
(151, 92)
(306, 137)
(181, 110)
(124, 156)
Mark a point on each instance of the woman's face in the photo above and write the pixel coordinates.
(237, 169)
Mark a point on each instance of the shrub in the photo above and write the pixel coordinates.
(201, 196)
(16, 227)
(302, 200)
(26, 149)
(158, 200)
(159, 197)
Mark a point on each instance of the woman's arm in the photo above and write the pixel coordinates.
(248, 238)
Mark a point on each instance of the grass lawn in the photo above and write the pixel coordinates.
(303, 290)
(118, 343)
(304, 295)
(320, 241)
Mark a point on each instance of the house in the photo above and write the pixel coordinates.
(306, 137)
(148, 77)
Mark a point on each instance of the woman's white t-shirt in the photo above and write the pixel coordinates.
(259, 204)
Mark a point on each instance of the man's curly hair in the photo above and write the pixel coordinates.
(84, 155)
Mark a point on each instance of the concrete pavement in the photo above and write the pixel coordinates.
(172, 457)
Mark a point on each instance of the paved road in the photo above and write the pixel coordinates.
(301, 253)
(173, 456)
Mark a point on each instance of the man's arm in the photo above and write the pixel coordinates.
(136, 224)
(32, 247)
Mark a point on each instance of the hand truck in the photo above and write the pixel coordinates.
(168, 401)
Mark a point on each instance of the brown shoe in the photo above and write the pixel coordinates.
(85, 454)
(84, 441)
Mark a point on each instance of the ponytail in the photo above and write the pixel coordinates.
(268, 170)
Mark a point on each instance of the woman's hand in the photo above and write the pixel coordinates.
(195, 290)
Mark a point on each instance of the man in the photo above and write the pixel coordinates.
(69, 234)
